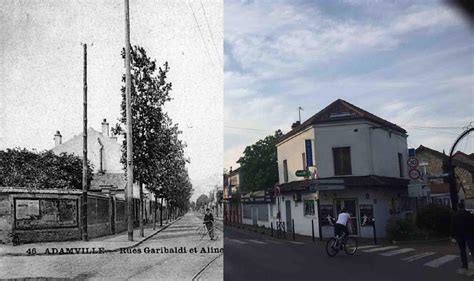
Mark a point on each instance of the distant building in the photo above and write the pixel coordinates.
(104, 153)
(432, 161)
(231, 196)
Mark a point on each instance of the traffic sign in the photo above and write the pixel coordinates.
(302, 173)
(414, 174)
(412, 162)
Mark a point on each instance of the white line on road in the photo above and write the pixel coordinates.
(298, 243)
(380, 249)
(418, 256)
(397, 252)
(256, 241)
(367, 247)
(237, 241)
(440, 261)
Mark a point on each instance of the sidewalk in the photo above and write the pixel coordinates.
(109, 243)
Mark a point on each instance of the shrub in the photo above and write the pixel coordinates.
(435, 218)
(398, 229)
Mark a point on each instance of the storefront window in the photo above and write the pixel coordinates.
(309, 207)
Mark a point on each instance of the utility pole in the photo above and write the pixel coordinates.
(129, 124)
(84, 155)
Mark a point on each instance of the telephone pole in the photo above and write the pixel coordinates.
(84, 155)
(129, 124)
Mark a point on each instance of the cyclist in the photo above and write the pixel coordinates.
(209, 221)
(341, 224)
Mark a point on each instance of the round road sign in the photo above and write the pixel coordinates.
(414, 174)
(412, 162)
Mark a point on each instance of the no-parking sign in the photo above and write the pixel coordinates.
(414, 174)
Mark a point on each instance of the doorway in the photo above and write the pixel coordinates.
(351, 207)
(254, 214)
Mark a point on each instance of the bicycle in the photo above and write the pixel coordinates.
(204, 230)
(336, 244)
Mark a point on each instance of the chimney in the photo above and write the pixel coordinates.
(58, 139)
(105, 128)
(294, 125)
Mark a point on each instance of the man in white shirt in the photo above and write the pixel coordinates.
(341, 223)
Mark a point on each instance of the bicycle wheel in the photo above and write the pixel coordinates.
(331, 247)
(350, 246)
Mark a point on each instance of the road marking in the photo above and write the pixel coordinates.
(380, 249)
(256, 241)
(440, 261)
(418, 256)
(397, 252)
(367, 247)
(298, 243)
(237, 241)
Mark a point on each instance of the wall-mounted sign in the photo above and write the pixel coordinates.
(302, 173)
(327, 215)
(309, 152)
(45, 213)
(366, 215)
(411, 152)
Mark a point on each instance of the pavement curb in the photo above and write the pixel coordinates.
(105, 251)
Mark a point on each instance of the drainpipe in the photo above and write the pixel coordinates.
(370, 152)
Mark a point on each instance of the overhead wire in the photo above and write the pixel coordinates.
(200, 32)
(210, 32)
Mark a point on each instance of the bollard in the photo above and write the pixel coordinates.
(284, 231)
(312, 229)
(293, 227)
(375, 232)
(271, 226)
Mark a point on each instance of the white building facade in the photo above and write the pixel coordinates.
(353, 159)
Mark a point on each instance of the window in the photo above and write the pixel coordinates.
(400, 164)
(342, 161)
(285, 171)
(309, 207)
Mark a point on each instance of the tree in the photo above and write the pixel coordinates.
(158, 153)
(258, 165)
(38, 170)
(202, 201)
(149, 92)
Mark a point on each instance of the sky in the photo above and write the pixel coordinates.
(41, 72)
(409, 62)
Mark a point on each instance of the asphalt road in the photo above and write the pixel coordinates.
(129, 266)
(251, 256)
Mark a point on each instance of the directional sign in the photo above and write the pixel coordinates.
(414, 174)
(302, 173)
(412, 162)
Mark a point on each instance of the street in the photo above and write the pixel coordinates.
(131, 266)
(251, 256)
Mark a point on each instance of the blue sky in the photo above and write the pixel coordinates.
(410, 62)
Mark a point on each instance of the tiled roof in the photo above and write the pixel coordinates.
(349, 182)
(340, 106)
(116, 180)
(460, 159)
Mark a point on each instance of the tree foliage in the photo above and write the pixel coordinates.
(202, 201)
(258, 165)
(158, 153)
(38, 170)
